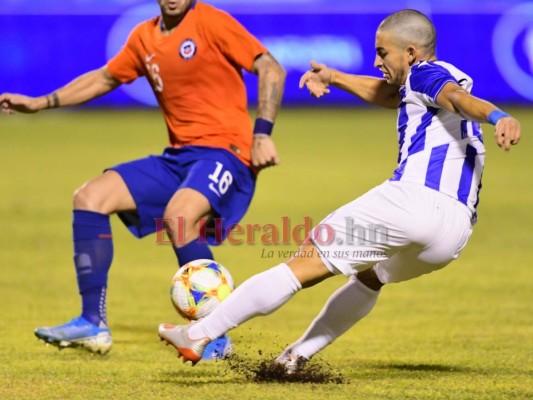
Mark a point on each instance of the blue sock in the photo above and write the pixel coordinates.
(193, 251)
(93, 253)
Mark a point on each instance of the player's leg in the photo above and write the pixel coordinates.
(183, 215)
(356, 299)
(352, 302)
(93, 245)
(347, 306)
(359, 241)
(215, 193)
(260, 295)
(264, 293)
(278, 285)
(438, 230)
(93, 254)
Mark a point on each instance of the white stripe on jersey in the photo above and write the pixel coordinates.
(437, 148)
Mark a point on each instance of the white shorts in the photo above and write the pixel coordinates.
(403, 230)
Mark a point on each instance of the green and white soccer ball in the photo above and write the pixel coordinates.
(198, 288)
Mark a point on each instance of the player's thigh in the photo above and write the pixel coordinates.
(183, 215)
(416, 260)
(424, 226)
(105, 194)
(152, 181)
(361, 233)
(188, 204)
(219, 187)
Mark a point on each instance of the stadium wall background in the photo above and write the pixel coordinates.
(45, 45)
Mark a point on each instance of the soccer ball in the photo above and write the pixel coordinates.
(198, 287)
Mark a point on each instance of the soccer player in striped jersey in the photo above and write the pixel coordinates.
(193, 56)
(414, 223)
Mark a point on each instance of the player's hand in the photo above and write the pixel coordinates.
(507, 132)
(264, 152)
(317, 80)
(11, 103)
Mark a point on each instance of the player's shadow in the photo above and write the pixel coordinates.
(424, 368)
(185, 377)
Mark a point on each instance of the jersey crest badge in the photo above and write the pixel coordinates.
(187, 49)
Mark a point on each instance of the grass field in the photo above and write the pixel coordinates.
(462, 333)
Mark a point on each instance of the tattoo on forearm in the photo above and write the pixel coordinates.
(271, 81)
(269, 101)
(274, 94)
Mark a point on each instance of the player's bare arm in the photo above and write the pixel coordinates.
(373, 90)
(271, 83)
(82, 89)
(455, 99)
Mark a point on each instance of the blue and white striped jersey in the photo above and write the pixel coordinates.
(437, 148)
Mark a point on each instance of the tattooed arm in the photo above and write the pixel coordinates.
(271, 83)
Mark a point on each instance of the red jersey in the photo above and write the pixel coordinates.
(196, 75)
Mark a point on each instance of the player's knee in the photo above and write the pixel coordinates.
(182, 215)
(184, 226)
(369, 278)
(85, 198)
(185, 214)
(308, 267)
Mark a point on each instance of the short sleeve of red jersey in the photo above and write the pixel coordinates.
(126, 66)
(234, 40)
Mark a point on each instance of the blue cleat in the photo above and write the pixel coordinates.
(79, 334)
(218, 349)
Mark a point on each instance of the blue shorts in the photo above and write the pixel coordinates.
(221, 177)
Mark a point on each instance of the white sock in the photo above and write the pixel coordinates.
(344, 308)
(260, 295)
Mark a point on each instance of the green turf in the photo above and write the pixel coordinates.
(462, 333)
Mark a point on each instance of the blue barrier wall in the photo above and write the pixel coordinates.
(45, 44)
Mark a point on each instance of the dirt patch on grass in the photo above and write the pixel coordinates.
(268, 371)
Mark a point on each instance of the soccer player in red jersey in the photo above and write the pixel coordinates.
(193, 56)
